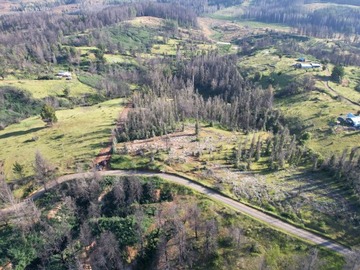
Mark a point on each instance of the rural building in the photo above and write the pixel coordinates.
(353, 121)
(64, 74)
(306, 65)
(301, 59)
(350, 119)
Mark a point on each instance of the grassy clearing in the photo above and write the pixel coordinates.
(150, 22)
(74, 141)
(45, 88)
(233, 14)
(117, 58)
(230, 13)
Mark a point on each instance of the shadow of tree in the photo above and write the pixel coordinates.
(20, 132)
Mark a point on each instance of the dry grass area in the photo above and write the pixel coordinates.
(225, 31)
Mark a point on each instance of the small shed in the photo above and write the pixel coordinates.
(301, 59)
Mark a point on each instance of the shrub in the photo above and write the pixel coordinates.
(306, 136)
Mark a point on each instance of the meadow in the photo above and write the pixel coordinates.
(45, 88)
(71, 144)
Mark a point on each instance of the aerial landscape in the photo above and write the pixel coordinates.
(178, 134)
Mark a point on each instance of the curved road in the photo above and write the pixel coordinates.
(273, 222)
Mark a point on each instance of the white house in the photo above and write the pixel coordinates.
(64, 74)
(306, 65)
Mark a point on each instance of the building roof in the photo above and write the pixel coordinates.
(355, 120)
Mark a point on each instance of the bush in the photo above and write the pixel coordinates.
(357, 88)
(47, 77)
(306, 136)
(288, 215)
(255, 248)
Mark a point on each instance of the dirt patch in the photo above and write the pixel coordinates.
(52, 213)
(227, 31)
(101, 162)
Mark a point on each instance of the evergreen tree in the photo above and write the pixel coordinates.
(337, 74)
(48, 115)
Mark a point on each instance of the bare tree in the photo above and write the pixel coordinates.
(194, 214)
(43, 169)
(237, 235)
(133, 190)
(139, 227)
(6, 195)
(106, 254)
(211, 233)
(353, 260)
(85, 234)
(311, 261)
(119, 193)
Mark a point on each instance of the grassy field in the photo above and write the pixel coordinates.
(318, 110)
(45, 88)
(74, 141)
(117, 58)
(230, 13)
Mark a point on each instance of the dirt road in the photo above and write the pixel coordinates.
(271, 221)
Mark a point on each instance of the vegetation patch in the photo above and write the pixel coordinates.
(146, 221)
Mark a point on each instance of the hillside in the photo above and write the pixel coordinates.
(256, 101)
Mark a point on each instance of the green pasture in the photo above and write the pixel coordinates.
(46, 88)
(74, 141)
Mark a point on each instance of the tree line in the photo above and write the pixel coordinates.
(339, 53)
(327, 22)
(37, 36)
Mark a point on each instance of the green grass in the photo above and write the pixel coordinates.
(45, 88)
(317, 110)
(230, 13)
(346, 92)
(255, 24)
(233, 14)
(116, 58)
(77, 138)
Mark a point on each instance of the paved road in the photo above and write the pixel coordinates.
(273, 222)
